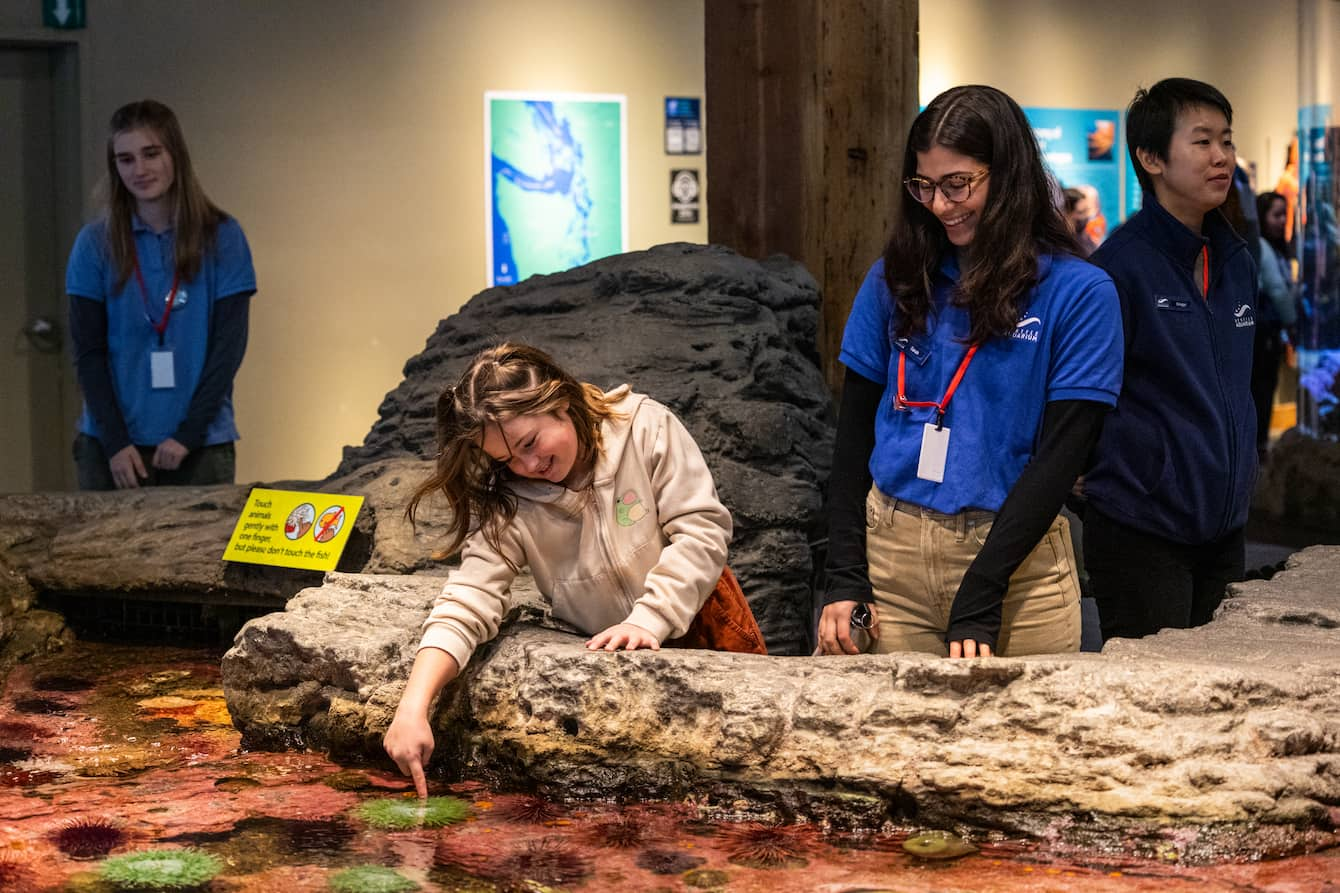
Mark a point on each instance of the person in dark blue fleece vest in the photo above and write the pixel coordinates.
(1174, 467)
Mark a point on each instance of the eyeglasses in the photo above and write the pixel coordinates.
(955, 187)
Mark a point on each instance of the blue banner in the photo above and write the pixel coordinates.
(1083, 148)
(1319, 283)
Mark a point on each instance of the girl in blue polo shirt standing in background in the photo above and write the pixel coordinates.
(982, 354)
(159, 292)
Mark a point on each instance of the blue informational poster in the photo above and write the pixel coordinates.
(1318, 237)
(1084, 150)
(555, 181)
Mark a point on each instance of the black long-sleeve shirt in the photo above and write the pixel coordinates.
(1069, 431)
(227, 345)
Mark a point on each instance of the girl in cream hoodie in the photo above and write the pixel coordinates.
(605, 496)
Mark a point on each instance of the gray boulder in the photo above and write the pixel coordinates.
(1300, 484)
(728, 343)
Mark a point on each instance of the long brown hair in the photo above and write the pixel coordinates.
(501, 383)
(1020, 220)
(194, 217)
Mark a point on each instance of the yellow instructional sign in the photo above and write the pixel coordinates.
(292, 529)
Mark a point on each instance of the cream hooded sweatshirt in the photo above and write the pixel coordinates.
(643, 543)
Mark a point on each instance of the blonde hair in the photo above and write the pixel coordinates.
(501, 383)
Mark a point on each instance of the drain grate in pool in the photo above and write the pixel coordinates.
(104, 618)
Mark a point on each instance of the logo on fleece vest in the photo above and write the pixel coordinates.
(1027, 328)
(628, 510)
(1242, 317)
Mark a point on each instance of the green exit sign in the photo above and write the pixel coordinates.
(63, 13)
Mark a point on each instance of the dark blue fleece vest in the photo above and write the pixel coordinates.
(1177, 457)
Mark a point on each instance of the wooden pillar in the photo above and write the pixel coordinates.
(808, 105)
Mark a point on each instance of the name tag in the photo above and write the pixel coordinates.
(934, 451)
(1172, 304)
(162, 373)
(919, 355)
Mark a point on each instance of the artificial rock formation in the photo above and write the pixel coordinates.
(726, 342)
(1233, 725)
(164, 545)
(1300, 484)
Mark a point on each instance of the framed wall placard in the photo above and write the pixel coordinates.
(556, 181)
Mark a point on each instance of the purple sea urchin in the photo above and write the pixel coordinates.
(530, 808)
(88, 838)
(56, 682)
(20, 733)
(623, 831)
(13, 871)
(14, 754)
(36, 705)
(546, 861)
(756, 845)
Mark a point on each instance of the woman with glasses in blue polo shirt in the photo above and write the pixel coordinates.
(159, 296)
(982, 354)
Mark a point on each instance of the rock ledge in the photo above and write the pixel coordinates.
(1234, 723)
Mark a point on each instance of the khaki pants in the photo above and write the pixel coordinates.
(918, 557)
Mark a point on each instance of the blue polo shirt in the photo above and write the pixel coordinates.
(1067, 345)
(153, 414)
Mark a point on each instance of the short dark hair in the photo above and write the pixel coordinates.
(1151, 117)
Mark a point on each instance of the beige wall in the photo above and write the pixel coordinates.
(347, 137)
(1070, 54)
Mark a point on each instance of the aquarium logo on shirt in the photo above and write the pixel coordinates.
(1027, 328)
(1242, 317)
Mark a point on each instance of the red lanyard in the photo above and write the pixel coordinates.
(161, 326)
(943, 403)
(1205, 272)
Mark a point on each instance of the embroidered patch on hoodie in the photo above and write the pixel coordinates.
(629, 510)
(1243, 317)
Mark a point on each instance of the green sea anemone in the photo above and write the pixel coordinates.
(371, 879)
(938, 845)
(161, 870)
(400, 814)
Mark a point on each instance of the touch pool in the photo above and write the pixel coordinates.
(111, 751)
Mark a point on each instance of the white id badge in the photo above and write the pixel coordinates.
(934, 450)
(161, 372)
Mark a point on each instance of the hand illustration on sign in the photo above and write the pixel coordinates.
(299, 521)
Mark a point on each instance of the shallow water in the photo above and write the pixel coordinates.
(106, 750)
